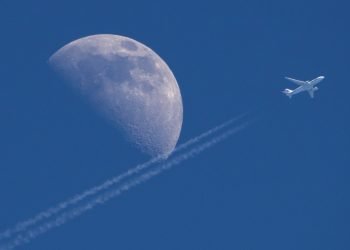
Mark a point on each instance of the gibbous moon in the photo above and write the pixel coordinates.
(129, 84)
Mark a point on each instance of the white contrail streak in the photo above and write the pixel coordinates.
(21, 226)
(30, 235)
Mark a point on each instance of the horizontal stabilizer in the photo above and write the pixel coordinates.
(288, 92)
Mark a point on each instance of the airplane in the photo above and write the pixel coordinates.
(308, 86)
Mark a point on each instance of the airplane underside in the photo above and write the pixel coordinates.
(308, 86)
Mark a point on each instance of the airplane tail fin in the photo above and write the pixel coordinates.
(288, 92)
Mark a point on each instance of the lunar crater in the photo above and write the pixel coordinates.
(129, 45)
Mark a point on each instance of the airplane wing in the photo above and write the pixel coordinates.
(311, 93)
(298, 82)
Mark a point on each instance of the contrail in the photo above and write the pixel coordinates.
(21, 226)
(30, 235)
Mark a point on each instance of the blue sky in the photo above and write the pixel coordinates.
(280, 184)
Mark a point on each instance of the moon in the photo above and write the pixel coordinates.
(129, 84)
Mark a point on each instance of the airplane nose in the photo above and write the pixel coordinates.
(321, 77)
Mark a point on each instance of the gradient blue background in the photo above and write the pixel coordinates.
(283, 183)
